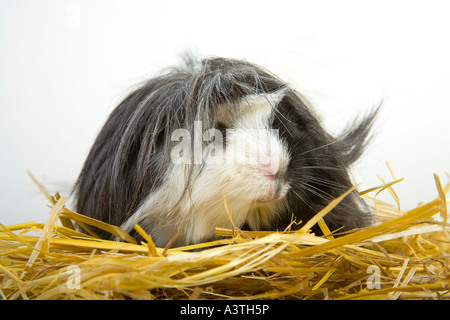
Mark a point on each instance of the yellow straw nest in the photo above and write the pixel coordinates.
(405, 255)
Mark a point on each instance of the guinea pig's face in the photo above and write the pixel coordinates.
(250, 158)
(255, 156)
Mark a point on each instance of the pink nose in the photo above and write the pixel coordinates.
(269, 169)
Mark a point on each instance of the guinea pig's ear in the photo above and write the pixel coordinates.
(226, 113)
(274, 98)
(265, 101)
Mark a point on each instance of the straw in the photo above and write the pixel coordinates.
(405, 255)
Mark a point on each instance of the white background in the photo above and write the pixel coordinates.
(64, 65)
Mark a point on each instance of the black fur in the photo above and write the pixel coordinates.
(319, 167)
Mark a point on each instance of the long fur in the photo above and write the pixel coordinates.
(128, 176)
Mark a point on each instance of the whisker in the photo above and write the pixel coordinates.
(329, 183)
(317, 191)
(324, 168)
(303, 200)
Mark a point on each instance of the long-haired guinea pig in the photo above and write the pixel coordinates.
(219, 131)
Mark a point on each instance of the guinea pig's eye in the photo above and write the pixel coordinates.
(219, 136)
(222, 128)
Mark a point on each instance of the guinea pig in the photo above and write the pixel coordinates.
(219, 143)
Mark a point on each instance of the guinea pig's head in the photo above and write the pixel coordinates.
(264, 151)
(245, 160)
(254, 156)
(230, 155)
